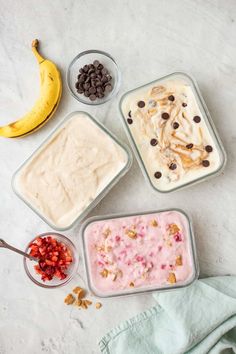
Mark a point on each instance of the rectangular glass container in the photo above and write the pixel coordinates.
(172, 133)
(64, 185)
(117, 257)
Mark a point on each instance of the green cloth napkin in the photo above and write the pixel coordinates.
(198, 319)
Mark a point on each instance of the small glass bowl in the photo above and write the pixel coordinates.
(88, 57)
(55, 282)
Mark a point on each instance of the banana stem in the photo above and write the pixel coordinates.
(35, 45)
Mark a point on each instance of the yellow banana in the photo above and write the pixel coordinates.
(45, 106)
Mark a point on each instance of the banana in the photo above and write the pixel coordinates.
(45, 106)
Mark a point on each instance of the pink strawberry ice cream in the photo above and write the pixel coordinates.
(135, 253)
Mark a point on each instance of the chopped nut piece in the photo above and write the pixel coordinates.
(114, 277)
(171, 278)
(152, 111)
(120, 273)
(98, 305)
(104, 273)
(108, 249)
(131, 284)
(132, 234)
(79, 291)
(100, 248)
(106, 232)
(69, 300)
(88, 302)
(169, 244)
(78, 302)
(173, 228)
(179, 261)
(154, 223)
(84, 305)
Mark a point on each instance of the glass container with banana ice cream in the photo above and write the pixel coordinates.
(172, 133)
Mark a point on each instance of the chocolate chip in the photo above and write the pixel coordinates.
(153, 142)
(184, 104)
(176, 125)
(129, 114)
(80, 91)
(209, 148)
(104, 71)
(92, 90)
(81, 70)
(92, 97)
(205, 163)
(157, 175)
(85, 68)
(171, 98)
(173, 166)
(189, 146)
(81, 79)
(197, 119)
(165, 115)
(130, 121)
(104, 79)
(100, 95)
(100, 66)
(99, 89)
(91, 71)
(108, 88)
(98, 83)
(77, 85)
(141, 104)
(86, 93)
(96, 63)
(87, 86)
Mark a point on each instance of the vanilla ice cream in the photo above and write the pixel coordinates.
(70, 170)
(171, 131)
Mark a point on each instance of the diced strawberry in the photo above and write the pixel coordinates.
(117, 238)
(139, 258)
(178, 237)
(53, 258)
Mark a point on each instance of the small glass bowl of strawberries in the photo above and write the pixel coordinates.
(56, 260)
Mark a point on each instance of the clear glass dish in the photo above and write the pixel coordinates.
(116, 176)
(149, 153)
(55, 282)
(93, 226)
(88, 57)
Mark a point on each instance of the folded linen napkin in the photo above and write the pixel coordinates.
(196, 320)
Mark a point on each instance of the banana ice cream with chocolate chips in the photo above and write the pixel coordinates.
(171, 132)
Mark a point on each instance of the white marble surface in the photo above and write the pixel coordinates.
(149, 39)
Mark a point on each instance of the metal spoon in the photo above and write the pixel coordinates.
(3, 244)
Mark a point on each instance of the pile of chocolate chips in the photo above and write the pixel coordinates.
(94, 81)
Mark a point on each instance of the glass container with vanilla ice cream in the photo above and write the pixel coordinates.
(74, 168)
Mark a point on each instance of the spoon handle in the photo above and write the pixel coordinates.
(3, 244)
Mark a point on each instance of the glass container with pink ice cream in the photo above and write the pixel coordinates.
(127, 254)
